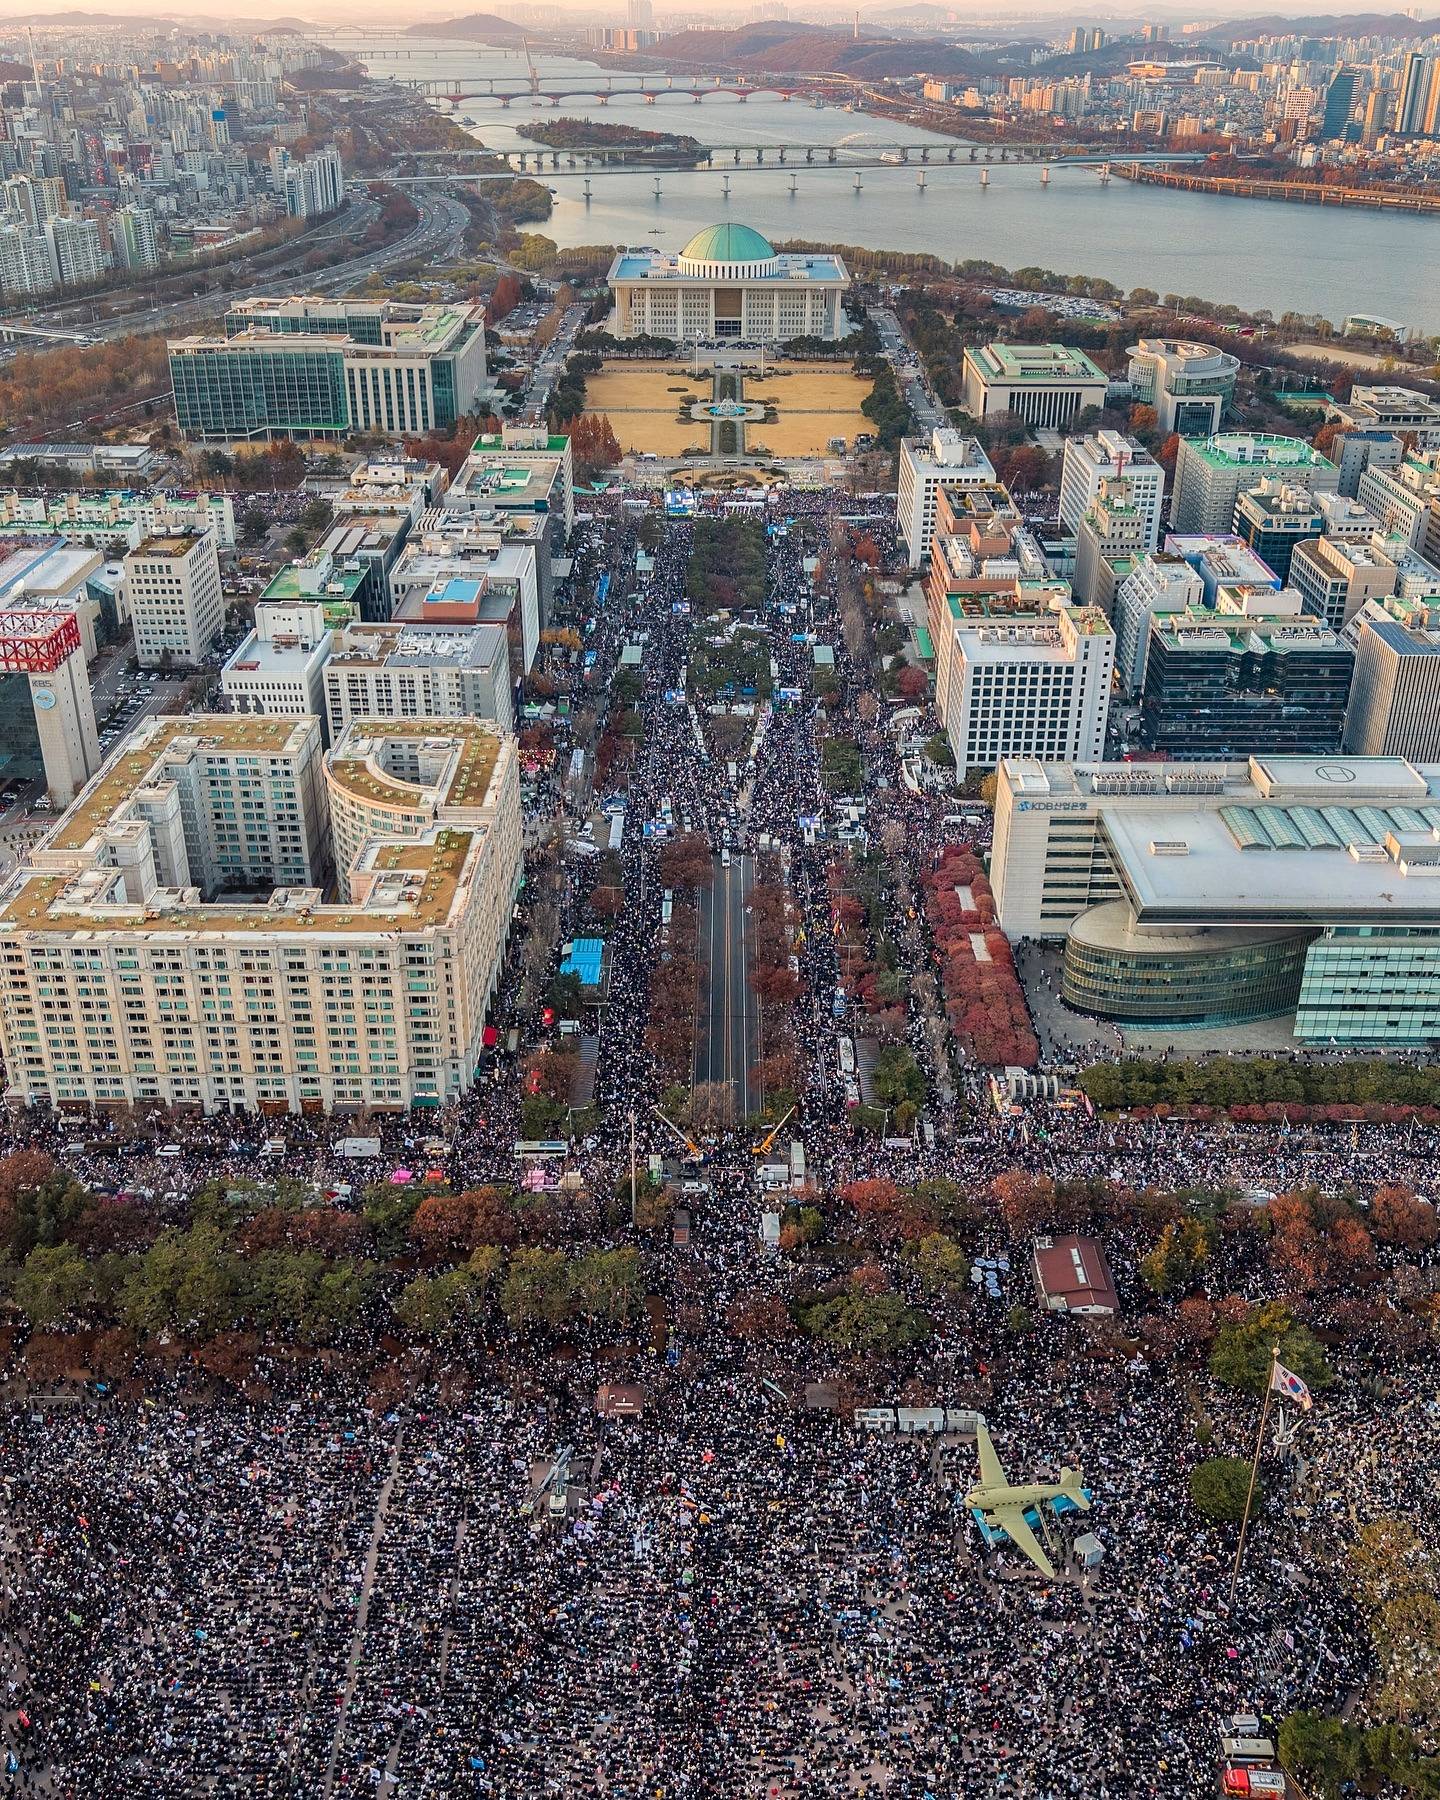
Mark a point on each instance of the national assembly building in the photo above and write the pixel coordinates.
(728, 283)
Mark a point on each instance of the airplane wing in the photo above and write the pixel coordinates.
(1011, 1521)
(991, 1474)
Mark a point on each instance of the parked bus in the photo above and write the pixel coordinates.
(847, 1056)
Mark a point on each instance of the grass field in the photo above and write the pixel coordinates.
(815, 403)
(641, 401)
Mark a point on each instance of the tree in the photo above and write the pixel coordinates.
(53, 1284)
(1179, 1256)
(687, 862)
(1241, 1356)
(878, 1324)
(1397, 1217)
(762, 1319)
(941, 1266)
(22, 1172)
(536, 1289)
(607, 1286)
(437, 1306)
(593, 444)
(1325, 1752)
(1218, 1488)
(1394, 1579)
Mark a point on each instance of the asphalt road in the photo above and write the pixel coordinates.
(725, 1027)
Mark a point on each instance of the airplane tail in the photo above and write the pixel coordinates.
(1072, 1486)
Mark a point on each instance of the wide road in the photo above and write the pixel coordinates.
(726, 1024)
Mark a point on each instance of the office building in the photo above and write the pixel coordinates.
(404, 671)
(308, 368)
(1249, 675)
(118, 517)
(132, 975)
(1221, 559)
(1029, 685)
(48, 619)
(1336, 579)
(1406, 501)
(401, 484)
(946, 457)
(1273, 517)
(1109, 545)
(523, 472)
(172, 586)
(1159, 584)
(1393, 409)
(728, 282)
(1345, 519)
(1356, 451)
(1211, 473)
(459, 570)
(1395, 696)
(1101, 456)
(1219, 894)
(1046, 385)
(1191, 386)
(279, 668)
(1339, 103)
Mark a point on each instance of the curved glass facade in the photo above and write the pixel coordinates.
(1179, 978)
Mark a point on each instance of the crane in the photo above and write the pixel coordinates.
(691, 1147)
(770, 1136)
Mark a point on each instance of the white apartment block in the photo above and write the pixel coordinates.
(129, 974)
(1109, 456)
(947, 458)
(172, 585)
(400, 671)
(1029, 686)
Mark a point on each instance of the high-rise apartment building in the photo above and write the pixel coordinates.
(25, 265)
(173, 588)
(133, 237)
(131, 975)
(401, 671)
(314, 186)
(77, 251)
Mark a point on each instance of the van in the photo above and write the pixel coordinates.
(725, 857)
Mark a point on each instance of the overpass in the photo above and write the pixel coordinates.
(17, 331)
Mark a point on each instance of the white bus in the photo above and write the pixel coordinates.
(847, 1056)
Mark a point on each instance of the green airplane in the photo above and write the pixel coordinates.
(1003, 1507)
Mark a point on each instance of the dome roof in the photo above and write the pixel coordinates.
(727, 243)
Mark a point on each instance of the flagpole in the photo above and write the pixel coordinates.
(1254, 1469)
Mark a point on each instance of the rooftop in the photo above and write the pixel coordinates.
(1244, 449)
(1034, 362)
(472, 748)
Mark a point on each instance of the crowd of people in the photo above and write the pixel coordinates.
(497, 1591)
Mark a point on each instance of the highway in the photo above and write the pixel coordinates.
(437, 236)
(726, 1023)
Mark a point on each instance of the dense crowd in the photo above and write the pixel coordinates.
(502, 1593)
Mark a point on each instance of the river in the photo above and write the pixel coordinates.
(1253, 253)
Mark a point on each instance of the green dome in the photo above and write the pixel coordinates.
(727, 243)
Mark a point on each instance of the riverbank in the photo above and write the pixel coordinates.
(1295, 193)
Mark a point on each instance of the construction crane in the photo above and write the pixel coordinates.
(770, 1136)
(691, 1147)
(534, 73)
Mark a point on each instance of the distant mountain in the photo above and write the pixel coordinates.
(484, 28)
(142, 22)
(1394, 25)
(780, 45)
